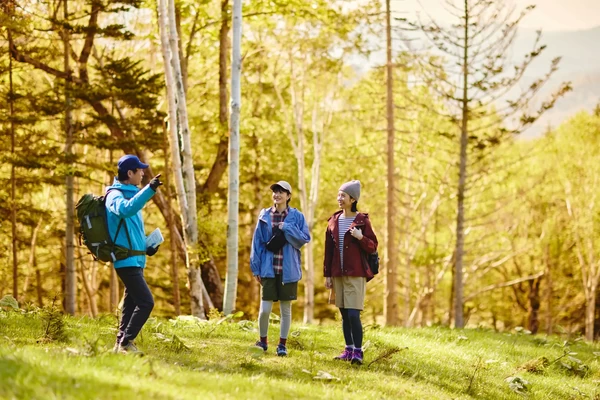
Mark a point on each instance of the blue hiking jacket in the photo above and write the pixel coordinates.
(296, 234)
(127, 202)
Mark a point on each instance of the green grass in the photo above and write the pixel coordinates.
(190, 360)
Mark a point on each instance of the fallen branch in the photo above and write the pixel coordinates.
(504, 284)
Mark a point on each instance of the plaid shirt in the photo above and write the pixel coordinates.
(276, 219)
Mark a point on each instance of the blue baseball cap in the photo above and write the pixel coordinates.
(129, 162)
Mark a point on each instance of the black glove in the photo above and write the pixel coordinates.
(150, 251)
(155, 182)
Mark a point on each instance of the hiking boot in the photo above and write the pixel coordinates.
(261, 345)
(357, 357)
(346, 354)
(282, 350)
(130, 348)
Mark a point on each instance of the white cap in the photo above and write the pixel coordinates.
(284, 185)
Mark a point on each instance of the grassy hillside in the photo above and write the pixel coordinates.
(187, 359)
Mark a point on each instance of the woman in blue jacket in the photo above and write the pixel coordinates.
(275, 261)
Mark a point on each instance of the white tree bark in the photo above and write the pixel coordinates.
(234, 163)
(185, 184)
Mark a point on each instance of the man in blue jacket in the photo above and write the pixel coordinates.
(275, 261)
(124, 203)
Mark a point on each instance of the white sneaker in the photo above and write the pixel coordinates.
(130, 348)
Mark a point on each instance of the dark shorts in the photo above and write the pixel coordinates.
(273, 289)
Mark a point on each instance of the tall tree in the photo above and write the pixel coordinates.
(479, 44)
(234, 163)
(391, 278)
(71, 274)
(13, 211)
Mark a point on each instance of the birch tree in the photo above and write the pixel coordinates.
(234, 163)
(183, 171)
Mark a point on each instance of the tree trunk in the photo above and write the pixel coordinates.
(223, 53)
(184, 64)
(90, 290)
(71, 277)
(31, 263)
(309, 284)
(13, 185)
(590, 312)
(462, 176)
(533, 321)
(184, 175)
(255, 210)
(114, 291)
(38, 284)
(427, 306)
(391, 285)
(172, 227)
(234, 164)
(451, 299)
(211, 279)
(548, 291)
(407, 255)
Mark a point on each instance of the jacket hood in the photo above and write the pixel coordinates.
(123, 187)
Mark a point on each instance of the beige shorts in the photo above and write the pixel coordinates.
(349, 291)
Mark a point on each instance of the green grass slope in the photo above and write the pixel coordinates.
(188, 359)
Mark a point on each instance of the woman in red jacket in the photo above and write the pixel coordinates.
(348, 240)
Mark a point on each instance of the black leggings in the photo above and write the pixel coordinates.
(137, 303)
(352, 327)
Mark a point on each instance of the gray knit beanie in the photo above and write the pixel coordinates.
(352, 189)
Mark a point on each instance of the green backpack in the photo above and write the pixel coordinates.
(93, 229)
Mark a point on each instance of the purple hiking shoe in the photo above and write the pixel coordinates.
(346, 354)
(357, 356)
(261, 345)
(282, 350)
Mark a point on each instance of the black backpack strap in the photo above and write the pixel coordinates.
(130, 251)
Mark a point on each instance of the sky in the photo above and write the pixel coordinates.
(549, 15)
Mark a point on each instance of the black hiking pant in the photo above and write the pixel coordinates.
(137, 303)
